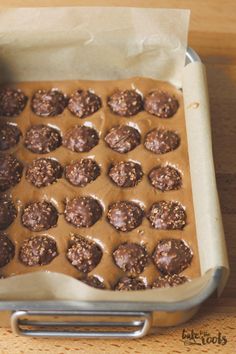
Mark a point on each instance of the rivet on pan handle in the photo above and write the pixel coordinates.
(139, 321)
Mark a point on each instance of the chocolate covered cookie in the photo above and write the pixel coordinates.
(84, 103)
(82, 211)
(125, 103)
(83, 172)
(43, 172)
(48, 103)
(9, 135)
(130, 284)
(123, 138)
(124, 215)
(10, 172)
(83, 254)
(80, 139)
(161, 141)
(161, 104)
(131, 258)
(126, 174)
(172, 256)
(167, 215)
(12, 102)
(94, 282)
(165, 178)
(42, 139)
(7, 249)
(38, 251)
(169, 281)
(39, 216)
(7, 212)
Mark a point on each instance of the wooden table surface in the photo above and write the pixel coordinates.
(213, 36)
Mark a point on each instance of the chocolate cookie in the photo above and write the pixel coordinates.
(169, 281)
(94, 282)
(83, 211)
(123, 138)
(41, 139)
(7, 212)
(161, 104)
(161, 141)
(7, 250)
(165, 178)
(48, 103)
(38, 250)
(167, 215)
(172, 256)
(131, 258)
(39, 216)
(43, 172)
(129, 284)
(80, 139)
(124, 215)
(125, 103)
(84, 103)
(126, 174)
(81, 173)
(10, 172)
(9, 135)
(83, 254)
(12, 102)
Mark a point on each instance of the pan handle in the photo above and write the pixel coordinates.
(132, 325)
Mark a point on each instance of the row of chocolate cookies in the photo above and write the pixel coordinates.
(45, 171)
(170, 256)
(42, 139)
(85, 211)
(83, 103)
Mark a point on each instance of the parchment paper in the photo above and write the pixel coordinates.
(111, 43)
(210, 233)
(93, 43)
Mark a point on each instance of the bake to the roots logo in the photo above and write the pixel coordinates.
(192, 337)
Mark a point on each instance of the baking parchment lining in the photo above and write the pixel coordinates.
(113, 43)
(93, 43)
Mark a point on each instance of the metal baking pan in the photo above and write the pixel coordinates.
(94, 319)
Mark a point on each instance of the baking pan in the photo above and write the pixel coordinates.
(128, 319)
(56, 305)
